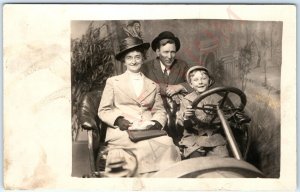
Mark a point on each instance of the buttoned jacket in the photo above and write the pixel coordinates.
(119, 99)
(152, 70)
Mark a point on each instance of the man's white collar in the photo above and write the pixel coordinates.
(163, 67)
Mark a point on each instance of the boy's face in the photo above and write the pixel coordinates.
(200, 81)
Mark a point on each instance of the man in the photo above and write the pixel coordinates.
(169, 73)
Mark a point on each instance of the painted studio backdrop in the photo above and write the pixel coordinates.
(243, 54)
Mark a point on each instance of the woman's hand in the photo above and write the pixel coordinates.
(188, 113)
(122, 123)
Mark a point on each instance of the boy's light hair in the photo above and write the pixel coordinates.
(190, 73)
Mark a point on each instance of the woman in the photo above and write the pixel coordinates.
(130, 98)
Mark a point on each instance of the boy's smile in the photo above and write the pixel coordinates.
(200, 81)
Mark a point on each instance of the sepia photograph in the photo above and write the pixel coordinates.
(154, 97)
(227, 72)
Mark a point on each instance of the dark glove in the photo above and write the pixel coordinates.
(156, 126)
(122, 123)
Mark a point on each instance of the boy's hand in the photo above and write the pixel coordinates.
(189, 112)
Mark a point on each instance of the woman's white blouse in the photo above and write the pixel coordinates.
(137, 82)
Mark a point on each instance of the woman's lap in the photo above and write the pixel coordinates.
(153, 154)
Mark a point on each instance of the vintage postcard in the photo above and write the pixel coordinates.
(149, 97)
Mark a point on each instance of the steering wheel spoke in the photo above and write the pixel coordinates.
(223, 100)
(208, 109)
(214, 118)
(231, 110)
(225, 104)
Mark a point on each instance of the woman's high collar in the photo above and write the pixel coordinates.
(134, 75)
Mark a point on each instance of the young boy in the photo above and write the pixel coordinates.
(199, 139)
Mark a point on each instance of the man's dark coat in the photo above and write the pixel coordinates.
(152, 70)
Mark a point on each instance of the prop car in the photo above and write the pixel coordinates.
(227, 114)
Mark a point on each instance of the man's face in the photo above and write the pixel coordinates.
(166, 54)
(200, 81)
(133, 61)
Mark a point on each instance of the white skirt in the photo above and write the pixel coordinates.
(152, 154)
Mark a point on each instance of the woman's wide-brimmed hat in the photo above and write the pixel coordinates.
(129, 44)
(165, 35)
(200, 68)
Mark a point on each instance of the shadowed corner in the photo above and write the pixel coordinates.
(265, 147)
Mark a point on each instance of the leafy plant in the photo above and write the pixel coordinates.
(91, 64)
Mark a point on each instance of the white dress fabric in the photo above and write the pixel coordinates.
(120, 98)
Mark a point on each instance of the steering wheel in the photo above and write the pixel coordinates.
(224, 103)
